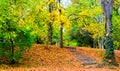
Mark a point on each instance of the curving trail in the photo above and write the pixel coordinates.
(88, 62)
(85, 60)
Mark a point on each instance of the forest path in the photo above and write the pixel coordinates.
(85, 60)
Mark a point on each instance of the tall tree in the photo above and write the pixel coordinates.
(50, 24)
(16, 31)
(109, 52)
(61, 27)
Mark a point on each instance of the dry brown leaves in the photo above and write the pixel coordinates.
(54, 58)
(51, 56)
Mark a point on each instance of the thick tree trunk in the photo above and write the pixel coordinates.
(61, 36)
(109, 57)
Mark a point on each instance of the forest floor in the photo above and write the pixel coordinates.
(54, 58)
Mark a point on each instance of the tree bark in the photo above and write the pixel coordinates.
(61, 36)
(50, 27)
(50, 34)
(12, 52)
(109, 57)
(61, 28)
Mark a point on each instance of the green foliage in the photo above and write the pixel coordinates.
(26, 22)
(13, 32)
(116, 28)
(86, 16)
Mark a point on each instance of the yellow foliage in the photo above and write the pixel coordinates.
(62, 11)
(37, 9)
(67, 24)
(91, 12)
(85, 12)
(61, 19)
(52, 16)
(94, 29)
(51, 1)
(97, 10)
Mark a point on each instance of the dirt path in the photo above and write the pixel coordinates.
(88, 62)
(85, 60)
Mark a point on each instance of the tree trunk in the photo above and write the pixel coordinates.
(61, 36)
(61, 28)
(109, 57)
(101, 43)
(95, 43)
(50, 34)
(12, 52)
(50, 27)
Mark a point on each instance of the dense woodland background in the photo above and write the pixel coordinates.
(50, 22)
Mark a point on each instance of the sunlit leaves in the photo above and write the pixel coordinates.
(96, 30)
(52, 16)
(51, 1)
